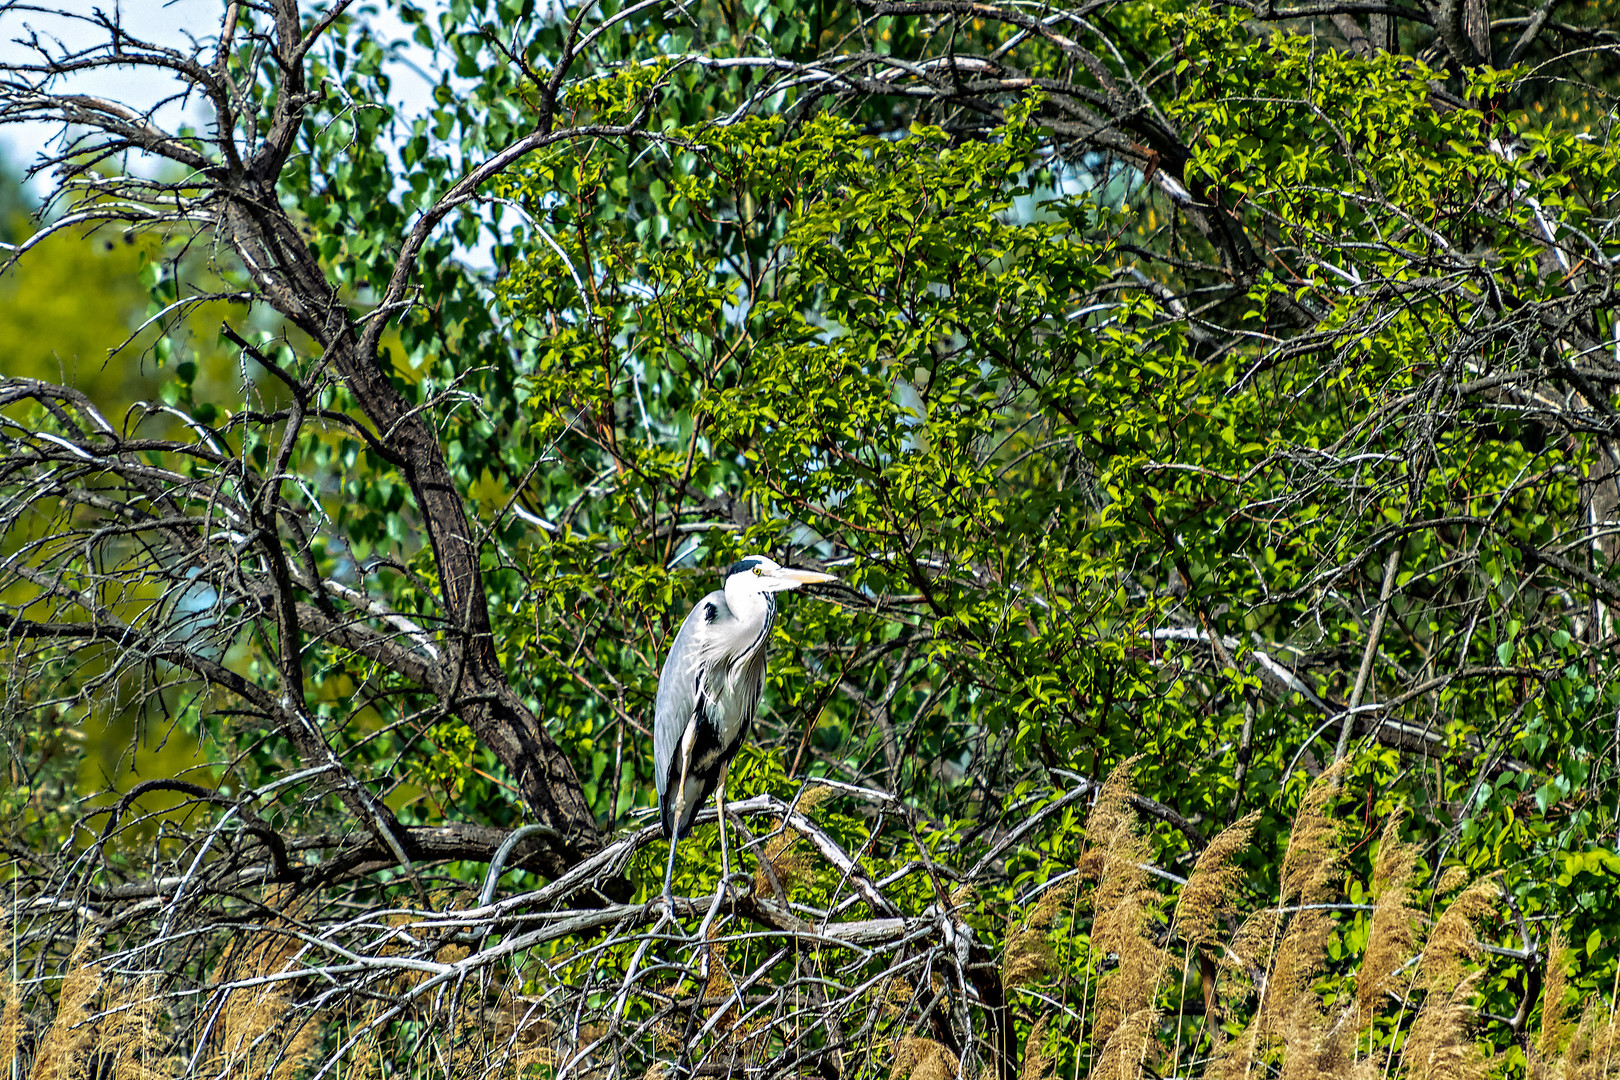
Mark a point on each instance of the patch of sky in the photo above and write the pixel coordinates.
(198, 610)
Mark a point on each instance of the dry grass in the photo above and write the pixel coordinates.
(515, 1033)
(1209, 889)
(1250, 950)
(1028, 956)
(1438, 1046)
(1204, 904)
(120, 1029)
(1312, 862)
(260, 1035)
(1392, 936)
(786, 860)
(1545, 1056)
(10, 1022)
(1129, 1013)
(720, 985)
(1131, 1043)
(65, 1051)
(1123, 906)
(1594, 1052)
(259, 1032)
(917, 1058)
(1290, 946)
(132, 1033)
(1552, 996)
(1038, 1062)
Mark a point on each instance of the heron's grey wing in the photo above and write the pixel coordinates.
(679, 685)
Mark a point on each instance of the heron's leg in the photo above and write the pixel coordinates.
(669, 895)
(720, 805)
(725, 867)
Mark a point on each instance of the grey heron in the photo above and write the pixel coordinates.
(708, 693)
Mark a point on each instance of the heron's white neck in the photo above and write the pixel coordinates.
(750, 606)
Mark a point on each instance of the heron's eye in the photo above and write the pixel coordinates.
(758, 572)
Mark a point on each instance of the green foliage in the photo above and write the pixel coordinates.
(892, 343)
(1102, 481)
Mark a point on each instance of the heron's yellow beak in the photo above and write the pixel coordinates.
(805, 577)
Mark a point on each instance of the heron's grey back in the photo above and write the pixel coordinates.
(677, 687)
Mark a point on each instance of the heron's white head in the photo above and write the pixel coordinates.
(757, 574)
